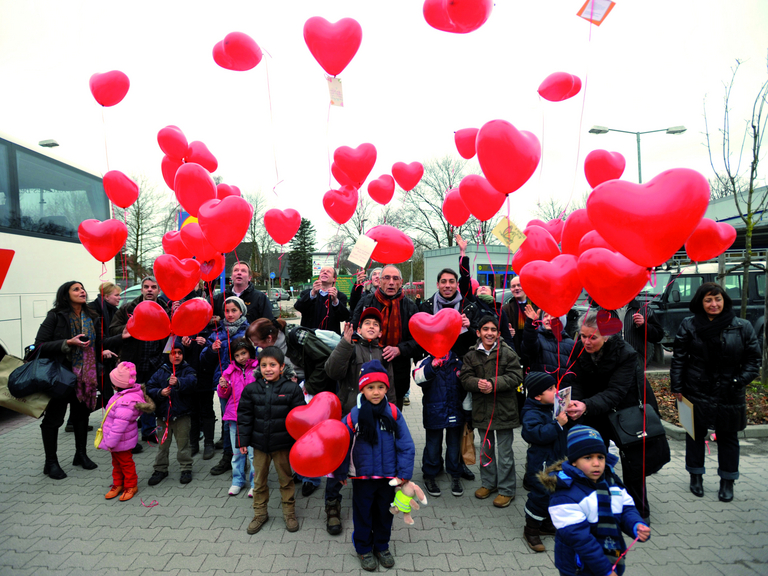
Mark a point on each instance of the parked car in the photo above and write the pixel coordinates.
(279, 294)
(410, 290)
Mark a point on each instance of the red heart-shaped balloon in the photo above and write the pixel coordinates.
(482, 199)
(709, 240)
(559, 86)
(340, 204)
(437, 16)
(169, 167)
(198, 153)
(610, 279)
(607, 325)
(212, 268)
(282, 225)
(356, 163)
(592, 239)
(507, 156)
(149, 322)
(465, 142)
(173, 143)
(554, 227)
(120, 189)
(382, 189)
(454, 209)
(176, 278)
(649, 222)
(103, 240)
(342, 178)
(237, 51)
(538, 245)
(333, 44)
(323, 406)
(576, 225)
(436, 333)
(173, 244)
(407, 176)
(109, 88)
(393, 246)
(191, 317)
(554, 286)
(557, 328)
(194, 187)
(225, 222)
(601, 166)
(468, 15)
(321, 450)
(224, 190)
(6, 257)
(196, 242)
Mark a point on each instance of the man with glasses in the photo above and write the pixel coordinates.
(323, 306)
(396, 312)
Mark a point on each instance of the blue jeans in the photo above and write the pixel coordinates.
(431, 462)
(148, 424)
(239, 460)
(225, 435)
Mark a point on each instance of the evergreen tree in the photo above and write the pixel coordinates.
(300, 257)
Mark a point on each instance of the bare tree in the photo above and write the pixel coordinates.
(257, 236)
(551, 209)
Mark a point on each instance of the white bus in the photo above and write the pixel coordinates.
(42, 202)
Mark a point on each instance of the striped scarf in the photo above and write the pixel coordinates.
(392, 323)
(607, 531)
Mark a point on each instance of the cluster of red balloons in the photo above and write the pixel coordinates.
(178, 151)
(322, 439)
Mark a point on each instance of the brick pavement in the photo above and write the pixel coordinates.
(67, 527)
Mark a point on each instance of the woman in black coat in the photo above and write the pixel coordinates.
(608, 378)
(105, 305)
(72, 335)
(716, 356)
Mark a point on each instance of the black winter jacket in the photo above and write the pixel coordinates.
(546, 438)
(262, 411)
(319, 312)
(543, 353)
(718, 398)
(256, 303)
(181, 394)
(408, 347)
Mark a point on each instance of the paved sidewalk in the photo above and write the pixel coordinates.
(67, 527)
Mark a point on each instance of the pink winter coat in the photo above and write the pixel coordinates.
(238, 379)
(119, 428)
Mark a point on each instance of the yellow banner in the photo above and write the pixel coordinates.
(509, 234)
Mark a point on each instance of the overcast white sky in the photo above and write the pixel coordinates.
(649, 66)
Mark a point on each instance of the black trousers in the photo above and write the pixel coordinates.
(727, 452)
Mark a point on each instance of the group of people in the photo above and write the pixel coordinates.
(504, 370)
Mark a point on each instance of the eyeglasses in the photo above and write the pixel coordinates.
(388, 278)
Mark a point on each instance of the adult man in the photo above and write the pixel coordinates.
(448, 296)
(323, 306)
(515, 311)
(147, 356)
(396, 312)
(257, 304)
(641, 327)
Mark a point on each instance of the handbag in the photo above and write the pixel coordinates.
(33, 405)
(41, 375)
(100, 432)
(627, 425)
(468, 446)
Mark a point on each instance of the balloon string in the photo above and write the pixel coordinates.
(272, 125)
(150, 505)
(104, 125)
(613, 568)
(328, 143)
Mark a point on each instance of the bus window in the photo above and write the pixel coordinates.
(54, 199)
(5, 186)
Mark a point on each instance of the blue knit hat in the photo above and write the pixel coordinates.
(583, 440)
(371, 372)
(538, 382)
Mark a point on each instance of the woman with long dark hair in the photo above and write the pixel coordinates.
(72, 335)
(716, 356)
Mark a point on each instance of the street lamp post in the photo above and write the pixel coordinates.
(604, 130)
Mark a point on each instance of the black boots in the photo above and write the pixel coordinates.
(532, 534)
(81, 437)
(697, 488)
(333, 520)
(50, 440)
(726, 490)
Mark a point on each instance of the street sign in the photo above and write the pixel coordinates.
(272, 275)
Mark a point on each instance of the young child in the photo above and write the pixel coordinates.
(233, 381)
(590, 508)
(381, 449)
(546, 445)
(119, 429)
(171, 387)
(443, 395)
(264, 405)
(492, 372)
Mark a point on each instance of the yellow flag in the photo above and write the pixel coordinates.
(509, 234)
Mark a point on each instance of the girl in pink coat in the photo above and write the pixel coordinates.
(120, 431)
(233, 380)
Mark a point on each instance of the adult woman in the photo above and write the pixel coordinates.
(608, 378)
(716, 356)
(72, 335)
(105, 305)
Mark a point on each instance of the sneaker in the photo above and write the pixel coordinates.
(502, 501)
(291, 523)
(186, 477)
(385, 558)
(368, 562)
(114, 491)
(234, 490)
(69, 428)
(128, 494)
(208, 451)
(431, 486)
(157, 477)
(257, 523)
(250, 493)
(224, 465)
(466, 473)
(307, 488)
(456, 488)
(482, 493)
(406, 400)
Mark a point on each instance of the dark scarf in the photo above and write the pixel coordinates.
(392, 323)
(607, 531)
(441, 302)
(709, 332)
(372, 417)
(233, 327)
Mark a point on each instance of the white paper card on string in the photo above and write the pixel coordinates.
(562, 400)
(595, 11)
(169, 344)
(334, 89)
(362, 250)
(685, 415)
